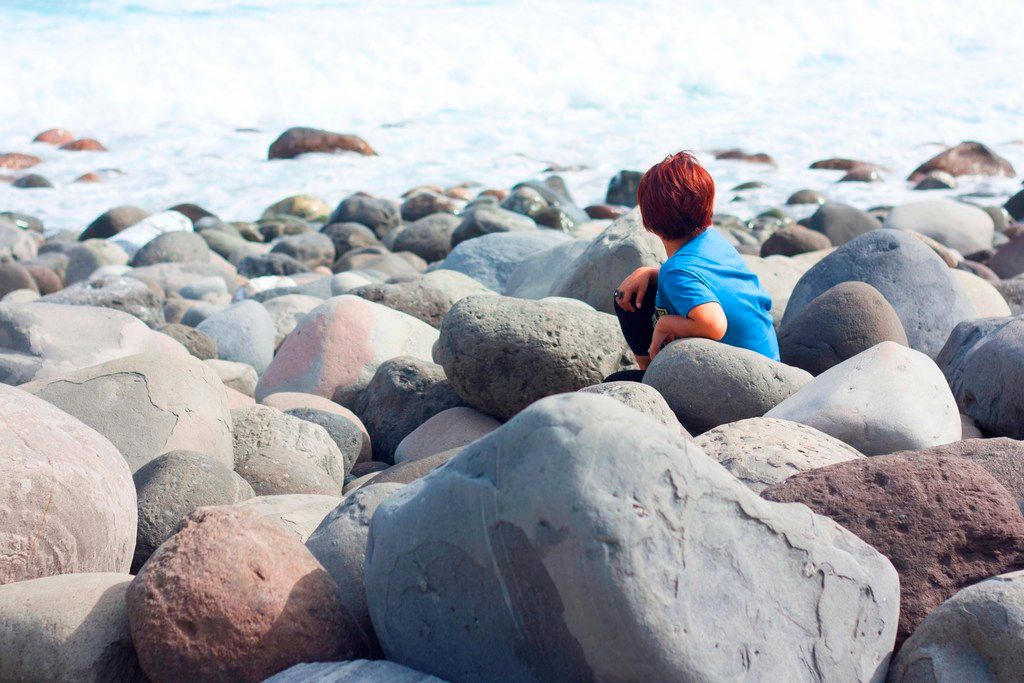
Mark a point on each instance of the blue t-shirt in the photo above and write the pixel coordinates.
(708, 268)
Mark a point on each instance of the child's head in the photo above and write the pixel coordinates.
(677, 198)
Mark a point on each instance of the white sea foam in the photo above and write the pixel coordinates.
(492, 91)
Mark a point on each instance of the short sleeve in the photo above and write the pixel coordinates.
(685, 292)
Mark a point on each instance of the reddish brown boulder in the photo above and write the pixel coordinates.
(91, 177)
(843, 164)
(1002, 457)
(967, 158)
(13, 277)
(18, 161)
(54, 136)
(740, 155)
(231, 596)
(46, 279)
(605, 211)
(497, 193)
(463, 193)
(296, 141)
(944, 522)
(84, 145)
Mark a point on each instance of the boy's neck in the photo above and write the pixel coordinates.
(672, 246)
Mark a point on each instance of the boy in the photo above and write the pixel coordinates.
(704, 289)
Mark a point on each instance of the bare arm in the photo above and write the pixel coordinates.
(707, 321)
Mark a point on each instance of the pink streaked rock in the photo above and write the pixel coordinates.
(337, 347)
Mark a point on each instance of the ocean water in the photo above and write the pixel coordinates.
(494, 91)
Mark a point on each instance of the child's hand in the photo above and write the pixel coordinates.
(663, 334)
(636, 283)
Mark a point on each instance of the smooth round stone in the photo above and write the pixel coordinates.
(172, 247)
(447, 430)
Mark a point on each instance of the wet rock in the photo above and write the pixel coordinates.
(622, 188)
(83, 145)
(301, 140)
(967, 158)
(54, 136)
(112, 222)
(806, 197)
(305, 206)
(32, 181)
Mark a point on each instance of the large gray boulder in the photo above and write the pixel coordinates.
(404, 393)
(838, 324)
(67, 504)
(171, 487)
(339, 544)
(535, 276)
(762, 451)
(957, 225)
(842, 223)
(983, 361)
(491, 259)
(886, 399)
(117, 292)
(623, 247)
(976, 635)
(502, 354)
(587, 562)
(356, 671)
(911, 277)
(428, 298)
(67, 629)
(147, 405)
(734, 383)
(244, 333)
(277, 453)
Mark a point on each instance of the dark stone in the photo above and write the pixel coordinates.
(349, 236)
(1015, 206)
(380, 215)
(486, 221)
(270, 264)
(967, 158)
(32, 181)
(943, 522)
(194, 212)
(311, 249)
(901, 267)
(302, 140)
(404, 393)
(806, 197)
(1008, 261)
(430, 238)
(422, 204)
(837, 325)
(198, 343)
(841, 164)
(272, 227)
(605, 211)
(112, 222)
(842, 223)
(794, 239)
(740, 155)
(46, 279)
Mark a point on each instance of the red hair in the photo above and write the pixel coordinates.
(676, 197)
